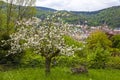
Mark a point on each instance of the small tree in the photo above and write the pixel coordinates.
(98, 46)
(45, 39)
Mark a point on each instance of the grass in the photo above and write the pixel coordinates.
(58, 74)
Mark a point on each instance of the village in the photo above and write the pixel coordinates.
(81, 32)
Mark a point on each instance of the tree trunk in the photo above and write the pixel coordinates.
(47, 65)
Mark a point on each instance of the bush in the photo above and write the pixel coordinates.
(70, 61)
(99, 58)
(116, 41)
(116, 45)
(30, 59)
(114, 62)
(4, 49)
(99, 50)
(72, 42)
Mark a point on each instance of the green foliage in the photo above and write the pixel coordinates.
(98, 58)
(72, 42)
(30, 59)
(2, 22)
(3, 49)
(78, 53)
(70, 61)
(108, 16)
(58, 74)
(116, 41)
(114, 62)
(98, 46)
(115, 45)
(43, 14)
(98, 38)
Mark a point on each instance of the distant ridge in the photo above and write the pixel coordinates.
(45, 9)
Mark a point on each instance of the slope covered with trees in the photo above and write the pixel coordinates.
(109, 16)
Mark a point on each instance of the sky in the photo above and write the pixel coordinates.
(78, 5)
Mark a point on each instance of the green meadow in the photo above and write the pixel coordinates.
(59, 74)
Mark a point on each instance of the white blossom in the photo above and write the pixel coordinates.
(45, 39)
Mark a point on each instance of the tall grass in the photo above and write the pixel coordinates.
(58, 74)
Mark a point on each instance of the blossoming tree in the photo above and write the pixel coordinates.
(45, 38)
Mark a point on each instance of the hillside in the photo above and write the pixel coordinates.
(45, 9)
(109, 16)
(42, 12)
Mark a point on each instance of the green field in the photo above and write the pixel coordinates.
(59, 74)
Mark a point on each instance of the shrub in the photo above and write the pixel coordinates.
(71, 61)
(116, 41)
(114, 62)
(98, 58)
(72, 42)
(99, 50)
(116, 45)
(30, 59)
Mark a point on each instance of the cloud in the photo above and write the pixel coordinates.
(78, 5)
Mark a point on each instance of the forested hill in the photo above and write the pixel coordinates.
(109, 16)
(45, 9)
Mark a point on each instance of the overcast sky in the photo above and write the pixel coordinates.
(78, 5)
